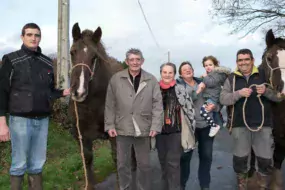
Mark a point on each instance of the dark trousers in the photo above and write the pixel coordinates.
(141, 147)
(169, 152)
(279, 155)
(205, 150)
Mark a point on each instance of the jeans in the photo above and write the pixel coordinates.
(29, 144)
(205, 150)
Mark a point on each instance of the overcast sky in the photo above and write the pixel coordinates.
(183, 27)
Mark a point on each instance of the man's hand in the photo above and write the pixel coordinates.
(66, 92)
(204, 75)
(4, 131)
(112, 133)
(245, 92)
(210, 107)
(201, 87)
(152, 133)
(260, 89)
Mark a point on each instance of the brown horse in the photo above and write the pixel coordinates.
(91, 70)
(273, 62)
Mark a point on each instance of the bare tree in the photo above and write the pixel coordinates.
(250, 15)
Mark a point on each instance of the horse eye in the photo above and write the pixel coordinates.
(269, 59)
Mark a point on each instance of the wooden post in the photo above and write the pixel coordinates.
(65, 62)
(58, 66)
(63, 57)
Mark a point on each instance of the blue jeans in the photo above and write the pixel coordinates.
(29, 144)
(205, 150)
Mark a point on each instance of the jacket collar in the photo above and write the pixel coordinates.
(144, 75)
(30, 52)
(254, 71)
(181, 81)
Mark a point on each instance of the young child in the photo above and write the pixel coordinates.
(213, 80)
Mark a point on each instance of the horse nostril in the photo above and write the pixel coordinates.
(75, 93)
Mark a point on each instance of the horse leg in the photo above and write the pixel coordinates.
(88, 156)
(278, 157)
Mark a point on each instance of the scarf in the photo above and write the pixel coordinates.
(166, 86)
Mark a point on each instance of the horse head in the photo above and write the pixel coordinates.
(87, 52)
(273, 61)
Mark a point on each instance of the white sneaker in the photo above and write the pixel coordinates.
(214, 130)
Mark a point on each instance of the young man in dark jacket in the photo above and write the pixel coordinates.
(26, 90)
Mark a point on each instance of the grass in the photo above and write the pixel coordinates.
(63, 169)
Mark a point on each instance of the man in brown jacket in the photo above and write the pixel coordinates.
(133, 114)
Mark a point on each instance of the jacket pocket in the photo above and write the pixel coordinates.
(21, 102)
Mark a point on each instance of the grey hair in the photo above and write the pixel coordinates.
(168, 64)
(134, 51)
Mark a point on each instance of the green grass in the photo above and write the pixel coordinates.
(63, 169)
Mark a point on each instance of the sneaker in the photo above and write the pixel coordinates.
(214, 130)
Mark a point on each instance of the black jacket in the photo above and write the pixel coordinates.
(27, 84)
(253, 113)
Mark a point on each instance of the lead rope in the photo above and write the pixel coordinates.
(262, 110)
(243, 109)
(81, 145)
(77, 120)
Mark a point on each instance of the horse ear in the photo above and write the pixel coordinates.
(76, 32)
(270, 38)
(97, 35)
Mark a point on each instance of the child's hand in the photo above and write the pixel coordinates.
(201, 87)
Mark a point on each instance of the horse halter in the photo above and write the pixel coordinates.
(271, 71)
(85, 65)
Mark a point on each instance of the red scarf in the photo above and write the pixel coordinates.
(166, 86)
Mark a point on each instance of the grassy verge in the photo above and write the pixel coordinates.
(63, 169)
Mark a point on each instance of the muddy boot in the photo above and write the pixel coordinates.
(263, 181)
(35, 182)
(242, 181)
(276, 180)
(16, 182)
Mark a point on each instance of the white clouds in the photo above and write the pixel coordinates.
(183, 27)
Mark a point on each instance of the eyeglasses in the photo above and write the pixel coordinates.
(36, 35)
(246, 59)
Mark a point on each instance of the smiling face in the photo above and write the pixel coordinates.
(187, 72)
(134, 61)
(167, 74)
(245, 63)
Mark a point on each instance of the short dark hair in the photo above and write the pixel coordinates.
(212, 58)
(182, 64)
(245, 51)
(30, 25)
(168, 64)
